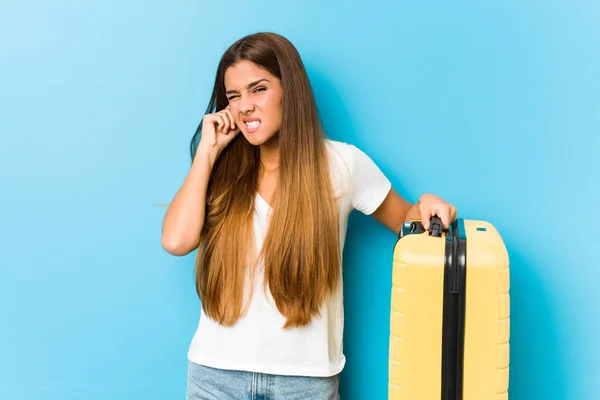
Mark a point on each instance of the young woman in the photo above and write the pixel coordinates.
(266, 203)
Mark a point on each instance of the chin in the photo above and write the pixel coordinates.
(257, 139)
(253, 139)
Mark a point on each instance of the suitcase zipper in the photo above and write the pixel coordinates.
(453, 327)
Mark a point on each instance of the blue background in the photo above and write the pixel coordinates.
(495, 106)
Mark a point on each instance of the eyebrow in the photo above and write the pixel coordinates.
(248, 86)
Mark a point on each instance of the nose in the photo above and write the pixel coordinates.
(246, 105)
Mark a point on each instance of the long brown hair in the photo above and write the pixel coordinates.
(301, 249)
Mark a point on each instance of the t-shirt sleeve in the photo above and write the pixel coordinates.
(369, 185)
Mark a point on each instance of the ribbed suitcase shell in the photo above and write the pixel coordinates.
(415, 349)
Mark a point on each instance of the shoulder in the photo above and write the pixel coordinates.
(346, 155)
(341, 152)
(349, 165)
(355, 171)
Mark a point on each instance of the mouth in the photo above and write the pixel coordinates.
(252, 124)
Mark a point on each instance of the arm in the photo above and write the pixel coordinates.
(395, 210)
(184, 218)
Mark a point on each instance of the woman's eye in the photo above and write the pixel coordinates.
(231, 98)
(260, 89)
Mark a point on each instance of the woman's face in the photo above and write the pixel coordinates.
(255, 101)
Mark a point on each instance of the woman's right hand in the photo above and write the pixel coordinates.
(218, 130)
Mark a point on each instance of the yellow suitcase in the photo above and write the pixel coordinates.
(450, 313)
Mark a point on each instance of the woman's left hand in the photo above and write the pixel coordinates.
(431, 205)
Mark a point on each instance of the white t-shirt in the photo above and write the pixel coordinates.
(257, 341)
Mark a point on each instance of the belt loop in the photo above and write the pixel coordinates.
(269, 383)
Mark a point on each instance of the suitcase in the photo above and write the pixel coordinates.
(450, 313)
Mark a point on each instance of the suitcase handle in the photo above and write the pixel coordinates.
(413, 227)
(435, 226)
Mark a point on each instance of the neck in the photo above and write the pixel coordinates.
(269, 154)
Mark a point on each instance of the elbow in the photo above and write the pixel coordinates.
(175, 246)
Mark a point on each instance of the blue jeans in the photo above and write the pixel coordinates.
(206, 383)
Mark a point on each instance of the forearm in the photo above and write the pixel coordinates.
(184, 218)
